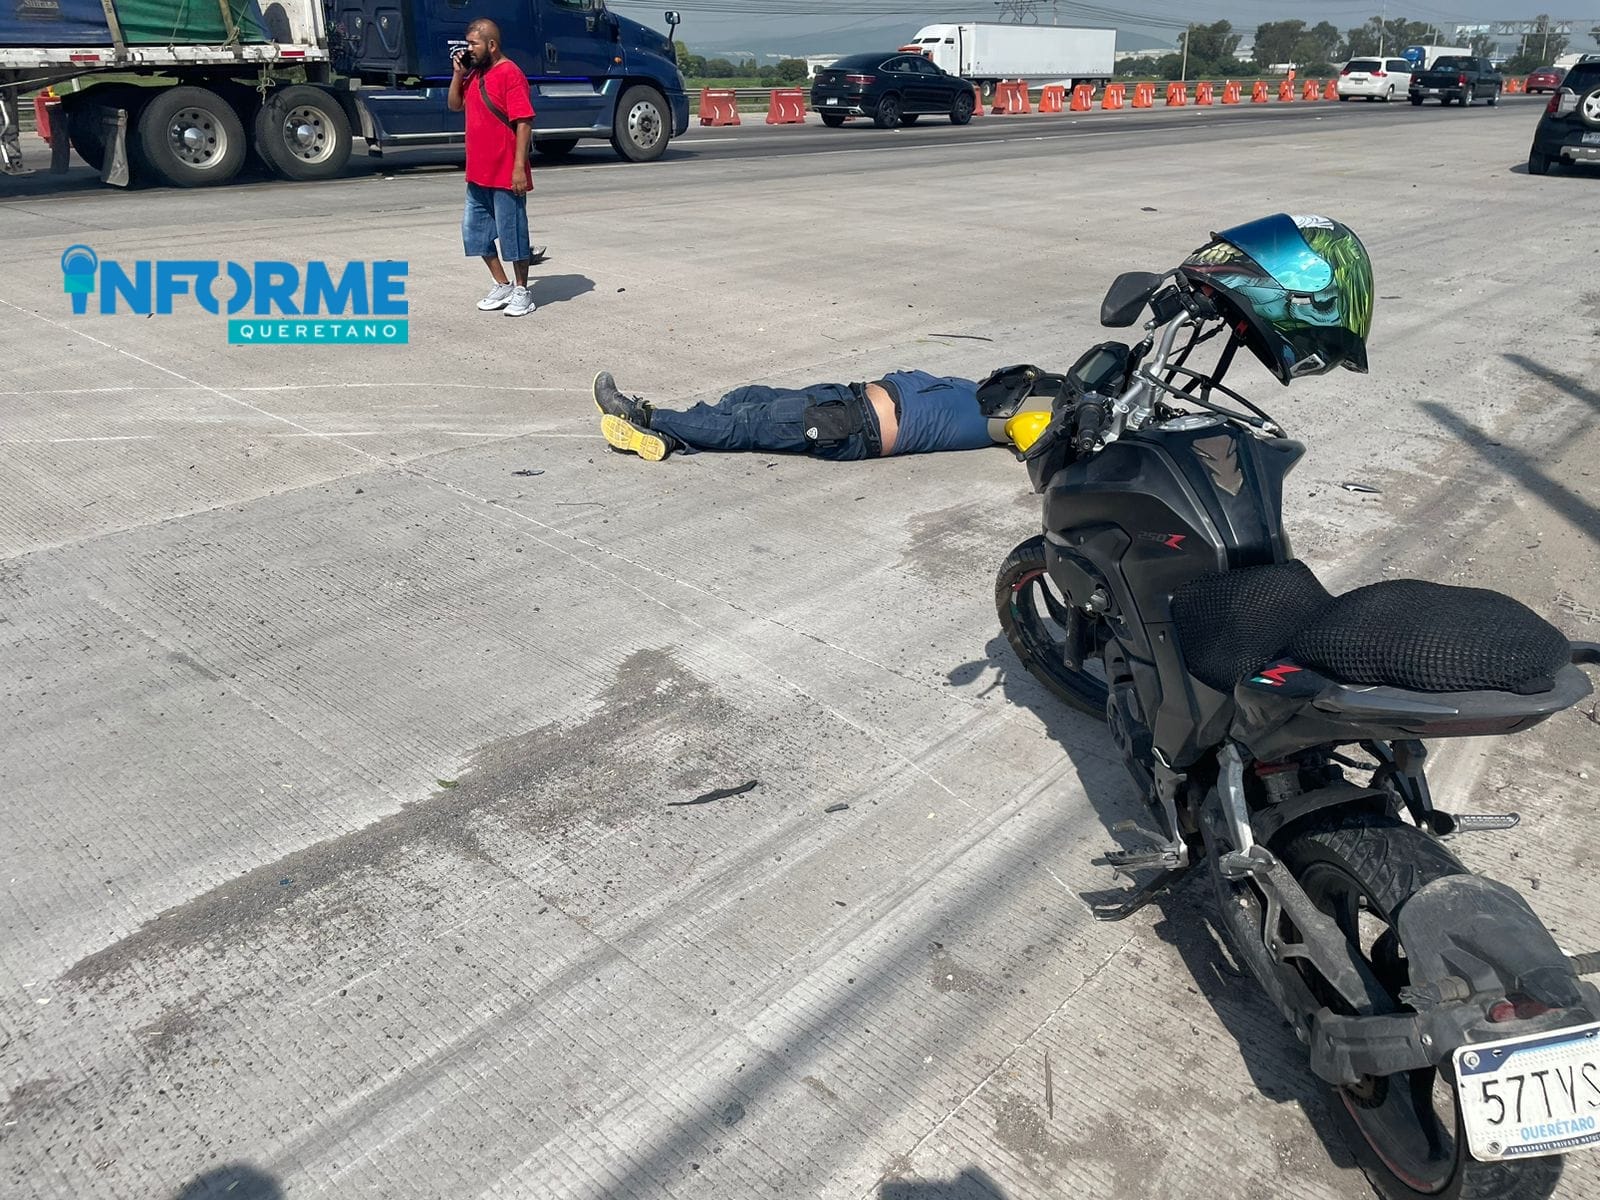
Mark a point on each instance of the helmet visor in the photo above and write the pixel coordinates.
(1278, 247)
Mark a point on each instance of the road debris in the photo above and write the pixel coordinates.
(716, 794)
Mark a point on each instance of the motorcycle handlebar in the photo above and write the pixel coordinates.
(1089, 423)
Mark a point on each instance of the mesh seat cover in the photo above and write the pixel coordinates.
(1429, 637)
(1406, 633)
(1233, 622)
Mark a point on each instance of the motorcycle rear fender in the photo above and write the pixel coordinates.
(1484, 932)
(1470, 931)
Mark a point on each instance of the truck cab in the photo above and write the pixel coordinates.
(593, 74)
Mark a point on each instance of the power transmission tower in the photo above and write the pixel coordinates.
(1021, 12)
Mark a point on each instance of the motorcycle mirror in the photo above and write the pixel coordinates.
(1127, 296)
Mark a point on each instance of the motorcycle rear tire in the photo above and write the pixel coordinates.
(1377, 863)
(1018, 592)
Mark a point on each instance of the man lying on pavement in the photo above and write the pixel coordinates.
(905, 412)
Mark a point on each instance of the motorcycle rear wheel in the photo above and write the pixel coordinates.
(1034, 617)
(1404, 1130)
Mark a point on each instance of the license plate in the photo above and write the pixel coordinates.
(1591, 139)
(1528, 1096)
(833, 99)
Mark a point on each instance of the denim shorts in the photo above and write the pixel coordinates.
(495, 213)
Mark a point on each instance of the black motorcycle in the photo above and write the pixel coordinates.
(1279, 734)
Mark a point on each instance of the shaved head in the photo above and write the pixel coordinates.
(486, 29)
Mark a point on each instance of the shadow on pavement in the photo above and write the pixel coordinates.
(556, 289)
(1504, 459)
(972, 1184)
(236, 1181)
(1277, 1063)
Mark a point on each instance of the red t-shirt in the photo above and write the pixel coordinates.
(491, 144)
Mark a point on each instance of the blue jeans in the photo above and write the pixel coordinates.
(765, 418)
(493, 213)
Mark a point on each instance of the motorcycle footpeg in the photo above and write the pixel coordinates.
(1133, 860)
(1447, 822)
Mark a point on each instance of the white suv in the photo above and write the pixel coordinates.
(1375, 78)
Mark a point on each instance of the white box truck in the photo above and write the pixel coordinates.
(987, 52)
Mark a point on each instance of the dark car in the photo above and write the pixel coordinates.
(1545, 79)
(1569, 131)
(893, 89)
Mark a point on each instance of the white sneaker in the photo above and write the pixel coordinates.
(520, 304)
(499, 296)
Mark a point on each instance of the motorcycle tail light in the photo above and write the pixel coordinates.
(1521, 1009)
(861, 80)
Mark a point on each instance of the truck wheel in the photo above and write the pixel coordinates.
(555, 147)
(1416, 102)
(1467, 97)
(1494, 97)
(190, 137)
(643, 125)
(302, 133)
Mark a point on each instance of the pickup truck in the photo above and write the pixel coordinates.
(1457, 77)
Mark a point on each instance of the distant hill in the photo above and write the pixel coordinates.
(852, 41)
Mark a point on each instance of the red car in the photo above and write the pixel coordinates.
(1545, 79)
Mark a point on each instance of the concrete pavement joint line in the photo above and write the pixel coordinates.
(1015, 1049)
(61, 441)
(178, 375)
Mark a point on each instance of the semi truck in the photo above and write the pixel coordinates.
(183, 92)
(987, 52)
(1422, 57)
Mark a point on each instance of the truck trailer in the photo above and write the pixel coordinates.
(180, 93)
(986, 52)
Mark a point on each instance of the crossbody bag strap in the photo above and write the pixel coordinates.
(483, 94)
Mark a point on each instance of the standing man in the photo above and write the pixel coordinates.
(494, 92)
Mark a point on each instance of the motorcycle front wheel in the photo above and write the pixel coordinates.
(1403, 1129)
(1038, 621)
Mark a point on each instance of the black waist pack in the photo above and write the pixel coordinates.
(833, 422)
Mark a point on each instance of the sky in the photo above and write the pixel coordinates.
(729, 22)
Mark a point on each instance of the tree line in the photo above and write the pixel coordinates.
(1321, 48)
(698, 66)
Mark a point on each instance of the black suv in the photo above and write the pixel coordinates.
(1569, 131)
